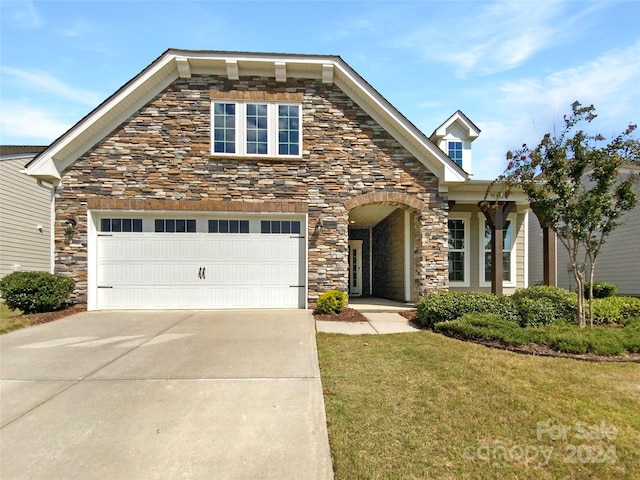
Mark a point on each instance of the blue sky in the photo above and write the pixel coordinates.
(512, 67)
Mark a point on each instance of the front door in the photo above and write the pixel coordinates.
(355, 268)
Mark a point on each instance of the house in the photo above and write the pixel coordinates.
(25, 214)
(233, 180)
(617, 263)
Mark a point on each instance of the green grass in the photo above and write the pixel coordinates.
(421, 405)
(11, 319)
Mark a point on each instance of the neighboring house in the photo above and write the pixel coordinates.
(617, 263)
(230, 180)
(25, 214)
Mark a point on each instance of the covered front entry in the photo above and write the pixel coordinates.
(381, 263)
(194, 261)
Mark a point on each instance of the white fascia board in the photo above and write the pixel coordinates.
(104, 119)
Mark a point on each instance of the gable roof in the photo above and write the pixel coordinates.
(6, 150)
(461, 119)
(174, 64)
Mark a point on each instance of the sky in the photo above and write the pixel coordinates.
(513, 67)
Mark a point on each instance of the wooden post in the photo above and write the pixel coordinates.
(549, 257)
(496, 215)
(549, 250)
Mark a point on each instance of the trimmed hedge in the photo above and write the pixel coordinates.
(601, 290)
(542, 305)
(614, 309)
(331, 302)
(449, 305)
(35, 292)
(560, 337)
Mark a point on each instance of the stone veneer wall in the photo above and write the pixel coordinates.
(162, 155)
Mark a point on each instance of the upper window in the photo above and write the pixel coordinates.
(268, 129)
(121, 225)
(455, 152)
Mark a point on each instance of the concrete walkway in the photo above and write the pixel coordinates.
(164, 395)
(377, 323)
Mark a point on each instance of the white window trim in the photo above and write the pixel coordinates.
(241, 129)
(449, 142)
(514, 234)
(466, 216)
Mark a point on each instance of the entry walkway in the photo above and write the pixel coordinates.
(377, 323)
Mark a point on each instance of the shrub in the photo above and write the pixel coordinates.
(331, 302)
(449, 305)
(560, 336)
(601, 290)
(614, 309)
(483, 326)
(542, 305)
(35, 292)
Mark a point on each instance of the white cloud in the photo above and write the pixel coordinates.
(22, 121)
(492, 38)
(79, 28)
(529, 108)
(24, 15)
(47, 83)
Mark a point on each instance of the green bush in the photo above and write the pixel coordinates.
(35, 292)
(331, 302)
(560, 336)
(601, 290)
(449, 305)
(483, 326)
(614, 309)
(542, 305)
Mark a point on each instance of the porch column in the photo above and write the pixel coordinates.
(549, 249)
(496, 215)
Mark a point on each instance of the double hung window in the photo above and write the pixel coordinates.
(459, 249)
(455, 152)
(256, 129)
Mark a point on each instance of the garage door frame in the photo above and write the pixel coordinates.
(94, 217)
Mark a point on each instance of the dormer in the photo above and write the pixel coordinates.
(454, 138)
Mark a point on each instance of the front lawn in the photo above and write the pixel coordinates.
(420, 405)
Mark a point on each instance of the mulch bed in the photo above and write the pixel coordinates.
(346, 315)
(39, 318)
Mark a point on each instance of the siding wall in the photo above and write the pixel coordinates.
(618, 262)
(23, 206)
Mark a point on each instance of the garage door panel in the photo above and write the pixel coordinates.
(163, 270)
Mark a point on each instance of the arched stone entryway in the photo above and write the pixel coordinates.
(383, 234)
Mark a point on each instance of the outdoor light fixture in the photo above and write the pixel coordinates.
(318, 228)
(70, 227)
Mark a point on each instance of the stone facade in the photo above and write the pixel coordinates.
(160, 159)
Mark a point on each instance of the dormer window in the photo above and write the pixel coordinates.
(455, 152)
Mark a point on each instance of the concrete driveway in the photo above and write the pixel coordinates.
(164, 395)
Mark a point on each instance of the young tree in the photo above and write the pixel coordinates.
(575, 186)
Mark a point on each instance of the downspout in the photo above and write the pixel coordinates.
(52, 188)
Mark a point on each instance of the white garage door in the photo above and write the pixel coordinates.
(200, 263)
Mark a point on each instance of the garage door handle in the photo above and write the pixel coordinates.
(200, 273)
(204, 273)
